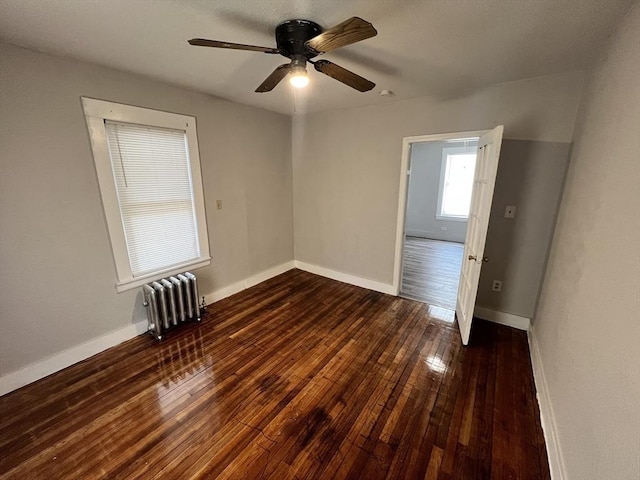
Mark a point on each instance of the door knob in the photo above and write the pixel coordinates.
(473, 257)
(485, 259)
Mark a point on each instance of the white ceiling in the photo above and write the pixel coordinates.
(423, 47)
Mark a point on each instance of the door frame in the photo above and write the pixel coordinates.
(404, 186)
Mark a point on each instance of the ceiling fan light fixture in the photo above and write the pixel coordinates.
(298, 77)
(302, 40)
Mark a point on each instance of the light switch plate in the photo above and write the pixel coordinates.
(510, 211)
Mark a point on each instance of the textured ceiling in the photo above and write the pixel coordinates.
(423, 47)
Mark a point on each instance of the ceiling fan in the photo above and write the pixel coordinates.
(302, 40)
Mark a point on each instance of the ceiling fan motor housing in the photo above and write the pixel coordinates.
(292, 35)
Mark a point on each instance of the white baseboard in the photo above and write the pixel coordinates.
(248, 282)
(269, 273)
(547, 418)
(66, 358)
(444, 236)
(417, 233)
(224, 292)
(503, 318)
(346, 278)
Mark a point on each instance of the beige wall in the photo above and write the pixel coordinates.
(347, 163)
(56, 270)
(588, 322)
(530, 176)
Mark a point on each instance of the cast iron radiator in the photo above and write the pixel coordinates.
(170, 302)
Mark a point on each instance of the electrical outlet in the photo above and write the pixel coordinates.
(218, 204)
(510, 211)
(496, 286)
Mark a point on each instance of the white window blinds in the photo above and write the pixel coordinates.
(153, 182)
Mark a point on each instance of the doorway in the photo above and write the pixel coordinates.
(440, 183)
(451, 204)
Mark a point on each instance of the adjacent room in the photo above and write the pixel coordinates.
(319, 240)
(436, 214)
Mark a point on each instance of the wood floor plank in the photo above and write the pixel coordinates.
(299, 377)
(431, 271)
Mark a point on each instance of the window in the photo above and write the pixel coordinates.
(456, 183)
(148, 168)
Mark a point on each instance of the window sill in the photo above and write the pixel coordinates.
(126, 285)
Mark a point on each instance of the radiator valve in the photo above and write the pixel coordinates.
(203, 307)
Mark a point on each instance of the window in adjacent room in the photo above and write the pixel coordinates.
(148, 168)
(456, 183)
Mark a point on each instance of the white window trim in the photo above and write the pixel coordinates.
(96, 112)
(443, 168)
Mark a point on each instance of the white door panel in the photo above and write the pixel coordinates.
(477, 225)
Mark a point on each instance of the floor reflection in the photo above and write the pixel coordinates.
(436, 364)
(183, 364)
(442, 314)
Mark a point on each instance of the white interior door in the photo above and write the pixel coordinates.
(483, 184)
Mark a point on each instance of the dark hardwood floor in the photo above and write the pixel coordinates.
(431, 271)
(299, 377)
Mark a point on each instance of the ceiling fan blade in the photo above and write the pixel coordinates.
(350, 31)
(203, 42)
(274, 79)
(343, 75)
